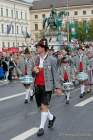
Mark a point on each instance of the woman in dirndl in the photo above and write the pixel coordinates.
(81, 69)
(24, 68)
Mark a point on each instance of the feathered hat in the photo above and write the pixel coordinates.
(27, 50)
(42, 43)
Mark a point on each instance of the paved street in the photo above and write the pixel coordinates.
(20, 122)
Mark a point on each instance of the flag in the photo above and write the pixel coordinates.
(22, 30)
(28, 35)
(73, 30)
(85, 25)
(25, 33)
(9, 28)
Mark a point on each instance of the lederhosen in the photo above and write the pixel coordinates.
(41, 95)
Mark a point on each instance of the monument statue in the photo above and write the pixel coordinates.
(52, 27)
(54, 21)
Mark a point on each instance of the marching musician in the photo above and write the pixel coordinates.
(46, 81)
(81, 64)
(24, 67)
(65, 72)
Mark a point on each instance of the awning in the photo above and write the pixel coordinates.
(0, 49)
(13, 50)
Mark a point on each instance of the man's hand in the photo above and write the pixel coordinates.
(36, 69)
(58, 91)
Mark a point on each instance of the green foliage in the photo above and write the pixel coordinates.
(90, 33)
(81, 35)
(85, 31)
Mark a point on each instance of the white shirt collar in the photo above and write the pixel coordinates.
(42, 60)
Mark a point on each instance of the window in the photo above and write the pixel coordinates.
(12, 13)
(13, 44)
(25, 16)
(2, 27)
(8, 44)
(26, 29)
(76, 13)
(43, 16)
(23, 44)
(36, 27)
(3, 44)
(91, 11)
(18, 44)
(17, 14)
(7, 12)
(7, 29)
(22, 32)
(68, 13)
(36, 16)
(84, 12)
(17, 28)
(12, 29)
(21, 15)
(1, 11)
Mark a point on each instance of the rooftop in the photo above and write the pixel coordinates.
(46, 4)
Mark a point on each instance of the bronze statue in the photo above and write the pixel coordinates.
(54, 21)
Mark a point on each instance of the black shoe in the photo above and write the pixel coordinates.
(81, 95)
(51, 122)
(89, 91)
(84, 93)
(26, 101)
(31, 98)
(40, 132)
(67, 101)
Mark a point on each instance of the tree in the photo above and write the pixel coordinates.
(80, 32)
(90, 34)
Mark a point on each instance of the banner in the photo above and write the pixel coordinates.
(73, 30)
(9, 28)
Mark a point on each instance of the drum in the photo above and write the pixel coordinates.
(82, 76)
(26, 79)
(68, 86)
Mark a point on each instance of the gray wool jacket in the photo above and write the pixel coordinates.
(51, 75)
(21, 66)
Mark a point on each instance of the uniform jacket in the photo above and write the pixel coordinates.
(84, 60)
(51, 75)
(21, 66)
(62, 68)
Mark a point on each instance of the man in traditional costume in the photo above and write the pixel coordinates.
(65, 74)
(46, 81)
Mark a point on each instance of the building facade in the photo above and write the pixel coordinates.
(18, 17)
(78, 10)
(14, 22)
